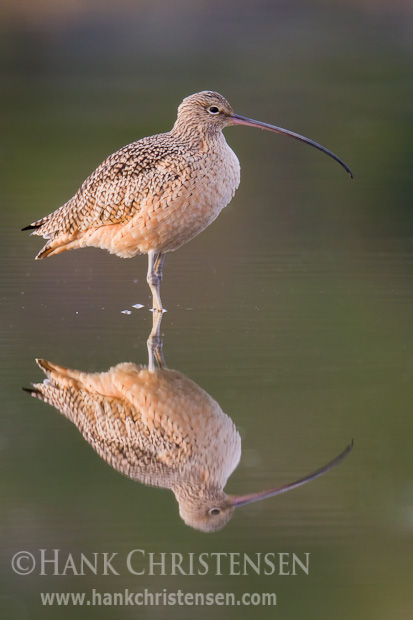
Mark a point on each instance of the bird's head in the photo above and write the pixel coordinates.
(209, 112)
(206, 109)
(206, 513)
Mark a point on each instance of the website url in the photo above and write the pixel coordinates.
(148, 598)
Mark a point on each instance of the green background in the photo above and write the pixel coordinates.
(293, 310)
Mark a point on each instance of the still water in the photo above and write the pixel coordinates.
(302, 350)
(289, 319)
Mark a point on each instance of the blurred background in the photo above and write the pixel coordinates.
(293, 310)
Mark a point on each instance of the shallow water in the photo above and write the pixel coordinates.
(293, 311)
(304, 351)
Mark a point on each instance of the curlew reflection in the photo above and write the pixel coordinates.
(157, 426)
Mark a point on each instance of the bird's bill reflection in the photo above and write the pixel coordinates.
(241, 500)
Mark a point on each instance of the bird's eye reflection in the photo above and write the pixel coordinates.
(215, 511)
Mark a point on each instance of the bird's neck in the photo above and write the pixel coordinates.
(198, 137)
(194, 490)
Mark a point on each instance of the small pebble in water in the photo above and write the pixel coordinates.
(126, 311)
(138, 306)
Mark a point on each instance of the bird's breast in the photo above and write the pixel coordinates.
(218, 180)
(186, 201)
(207, 187)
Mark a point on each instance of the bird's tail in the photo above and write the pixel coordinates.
(33, 226)
(57, 245)
(50, 249)
(57, 377)
(58, 389)
(36, 228)
(37, 225)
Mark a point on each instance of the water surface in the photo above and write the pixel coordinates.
(293, 311)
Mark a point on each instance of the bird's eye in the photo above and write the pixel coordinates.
(213, 109)
(214, 511)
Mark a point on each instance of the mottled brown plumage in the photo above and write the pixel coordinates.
(157, 427)
(154, 195)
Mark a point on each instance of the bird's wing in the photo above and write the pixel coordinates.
(115, 191)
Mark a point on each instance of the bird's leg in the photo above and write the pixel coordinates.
(154, 277)
(154, 343)
(159, 261)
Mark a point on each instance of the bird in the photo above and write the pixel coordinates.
(158, 427)
(155, 194)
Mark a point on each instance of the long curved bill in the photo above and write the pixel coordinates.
(241, 500)
(249, 122)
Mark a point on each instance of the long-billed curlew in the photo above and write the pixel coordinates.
(154, 195)
(157, 426)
